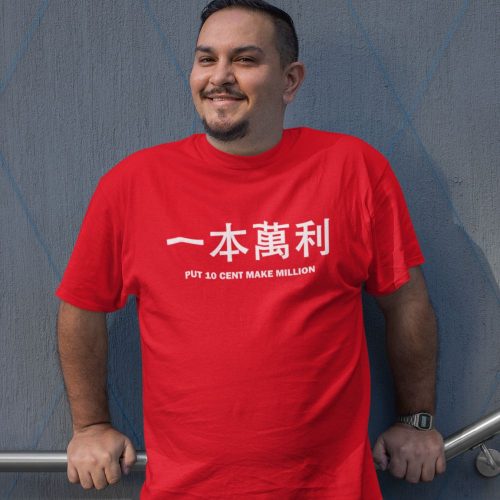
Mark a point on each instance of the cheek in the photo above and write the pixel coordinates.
(264, 85)
(196, 80)
(268, 95)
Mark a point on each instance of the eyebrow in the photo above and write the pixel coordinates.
(237, 50)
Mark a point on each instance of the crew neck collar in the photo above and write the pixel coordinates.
(240, 162)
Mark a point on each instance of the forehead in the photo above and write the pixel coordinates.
(233, 25)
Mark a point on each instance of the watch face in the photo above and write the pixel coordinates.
(424, 421)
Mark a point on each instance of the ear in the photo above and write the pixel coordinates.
(294, 75)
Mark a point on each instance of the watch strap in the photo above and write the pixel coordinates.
(422, 420)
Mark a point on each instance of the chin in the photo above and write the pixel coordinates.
(227, 132)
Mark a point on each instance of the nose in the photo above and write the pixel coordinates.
(222, 73)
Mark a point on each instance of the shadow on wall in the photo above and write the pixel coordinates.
(465, 295)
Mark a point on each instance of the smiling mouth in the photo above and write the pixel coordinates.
(222, 99)
(219, 102)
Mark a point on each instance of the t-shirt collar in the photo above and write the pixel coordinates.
(228, 160)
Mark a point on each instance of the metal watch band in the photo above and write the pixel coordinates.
(421, 420)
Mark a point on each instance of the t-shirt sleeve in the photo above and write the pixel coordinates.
(395, 247)
(93, 277)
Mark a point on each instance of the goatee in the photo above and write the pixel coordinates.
(237, 131)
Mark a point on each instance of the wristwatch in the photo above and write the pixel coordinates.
(422, 421)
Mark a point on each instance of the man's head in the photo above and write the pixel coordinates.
(259, 82)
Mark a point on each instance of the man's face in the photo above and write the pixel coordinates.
(251, 79)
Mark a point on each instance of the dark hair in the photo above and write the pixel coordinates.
(285, 34)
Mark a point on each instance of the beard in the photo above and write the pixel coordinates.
(227, 133)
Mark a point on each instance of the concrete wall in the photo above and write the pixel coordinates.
(84, 83)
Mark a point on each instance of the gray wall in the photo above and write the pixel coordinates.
(84, 83)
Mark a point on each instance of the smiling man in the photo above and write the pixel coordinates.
(241, 89)
(247, 248)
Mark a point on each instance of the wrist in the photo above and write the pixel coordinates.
(422, 420)
(80, 428)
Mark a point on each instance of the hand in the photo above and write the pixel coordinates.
(94, 455)
(409, 453)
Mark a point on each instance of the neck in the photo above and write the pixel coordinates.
(247, 146)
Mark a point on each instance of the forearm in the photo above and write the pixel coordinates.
(82, 343)
(411, 336)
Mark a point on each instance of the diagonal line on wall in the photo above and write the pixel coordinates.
(435, 172)
(170, 53)
(17, 191)
(127, 420)
(171, 56)
(38, 433)
(48, 417)
(37, 438)
(38, 235)
(407, 115)
(433, 168)
(35, 23)
(424, 85)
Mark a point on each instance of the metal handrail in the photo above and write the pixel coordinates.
(465, 439)
(49, 461)
(473, 435)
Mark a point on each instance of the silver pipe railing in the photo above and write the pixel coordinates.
(469, 437)
(49, 461)
(473, 435)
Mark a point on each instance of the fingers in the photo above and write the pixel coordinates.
(86, 480)
(380, 456)
(112, 473)
(428, 471)
(415, 471)
(95, 455)
(98, 479)
(410, 454)
(93, 473)
(397, 467)
(80, 476)
(441, 464)
(72, 474)
(129, 457)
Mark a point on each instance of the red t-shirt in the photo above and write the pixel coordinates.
(248, 271)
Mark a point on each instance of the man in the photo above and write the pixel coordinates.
(247, 248)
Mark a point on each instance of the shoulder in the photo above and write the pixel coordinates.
(341, 142)
(356, 154)
(139, 163)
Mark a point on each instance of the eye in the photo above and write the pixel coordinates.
(244, 59)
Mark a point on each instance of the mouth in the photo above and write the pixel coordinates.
(223, 101)
(223, 97)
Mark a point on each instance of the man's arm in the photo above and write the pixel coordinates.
(95, 449)
(411, 339)
(83, 350)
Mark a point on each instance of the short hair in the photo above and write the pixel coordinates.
(285, 35)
